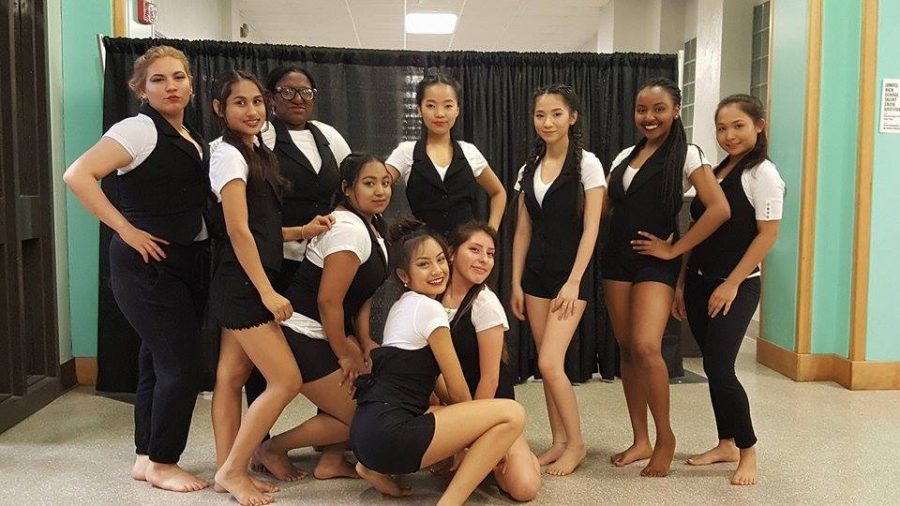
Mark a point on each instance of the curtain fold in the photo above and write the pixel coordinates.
(366, 95)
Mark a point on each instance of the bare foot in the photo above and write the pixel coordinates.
(332, 465)
(382, 482)
(266, 487)
(725, 451)
(746, 471)
(241, 487)
(171, 477)
(139, 470)
(568, 461)
(660, 464)
(553, 453)
(634, 453)
(277, 463)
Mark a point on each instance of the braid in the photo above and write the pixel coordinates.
(674, 148)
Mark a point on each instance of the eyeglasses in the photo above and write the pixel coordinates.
(289, 93)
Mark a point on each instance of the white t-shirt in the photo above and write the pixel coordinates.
(226, 164)
(693, 160)
(765, 190)
(307, 144)
(592, 176)
(411, 321)
(348, 233)
(487, 311)
(138, 136)
(402, 159)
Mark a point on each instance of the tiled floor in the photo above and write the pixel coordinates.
(819, 444)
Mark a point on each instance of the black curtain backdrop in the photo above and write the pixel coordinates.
(365, 94)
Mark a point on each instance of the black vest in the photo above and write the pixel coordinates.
(465, 342)
(399, 377)
(166, 194)
(310, 193)
(641, 207)
(264, 219)
(557, 223)
(442, 205)
(720, 253)
(304, 289)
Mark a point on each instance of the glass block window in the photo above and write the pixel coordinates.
(759, 66)
(687, 87)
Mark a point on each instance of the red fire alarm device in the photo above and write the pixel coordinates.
(146, 12)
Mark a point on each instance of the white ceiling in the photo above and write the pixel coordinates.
(483, 25)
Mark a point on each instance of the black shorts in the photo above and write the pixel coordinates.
(234, 302)
(315, 357)
(619, 265)
(539, 282)
(390, 439)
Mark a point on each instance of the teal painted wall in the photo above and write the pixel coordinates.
(884, 276)
(836, 178)
(82, 20)
(787, 89)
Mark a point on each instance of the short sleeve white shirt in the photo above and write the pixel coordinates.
(402, 159)
(592, 176)
(225, 165)
(765, 190)
(306, 143)
(693, 160)
(137, 135)
(411, 321)
(487, 311)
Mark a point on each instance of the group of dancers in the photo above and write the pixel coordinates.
(301, 248)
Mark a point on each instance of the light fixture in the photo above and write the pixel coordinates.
(430, 23)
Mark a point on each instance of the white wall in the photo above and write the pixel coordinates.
(204, 20)
(636, 25)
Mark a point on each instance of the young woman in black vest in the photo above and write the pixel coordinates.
(157, 253)
(560, 200)
(477, 324)
(244, 177)
(718, 289)
(646, 188)
(441, 173)
(331, 296)
(395, 430)
(309, 153)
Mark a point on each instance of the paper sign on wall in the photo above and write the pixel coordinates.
(890, 106)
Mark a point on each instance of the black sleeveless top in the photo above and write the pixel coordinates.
(304, 289)
(442, 205)
(465, 341)
(720, 253)
(400, 377)
(556, 223)
(310, 193)
(166, 195)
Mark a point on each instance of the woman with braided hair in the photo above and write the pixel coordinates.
(561, 189)
(640, 261)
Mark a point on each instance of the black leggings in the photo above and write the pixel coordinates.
(720, 339)
(164, 303)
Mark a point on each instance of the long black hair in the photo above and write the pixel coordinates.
(576, 133)
(261, 161)
(349, 171)
(433, 77)
(674, 148)
(751, 106)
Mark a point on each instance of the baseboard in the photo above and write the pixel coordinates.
(86, 370)
(854, 375)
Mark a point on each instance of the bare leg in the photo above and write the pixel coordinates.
(139, 470)
(746, 473)
(382, 482)
(519, 474)
(648, 324)
(618, 302)
(332, 464)
(725, 451)
(267, 349)
(551, 361)
(537, 310)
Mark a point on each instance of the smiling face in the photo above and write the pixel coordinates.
(371, 191)
(439, 108)
(736, 131)
(553, 117)
(654, 112)
(296, 111)
(167, 87)
(244, 109)
(427, 272)
(473, 260)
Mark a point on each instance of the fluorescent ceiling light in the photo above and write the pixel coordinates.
(432, 23)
